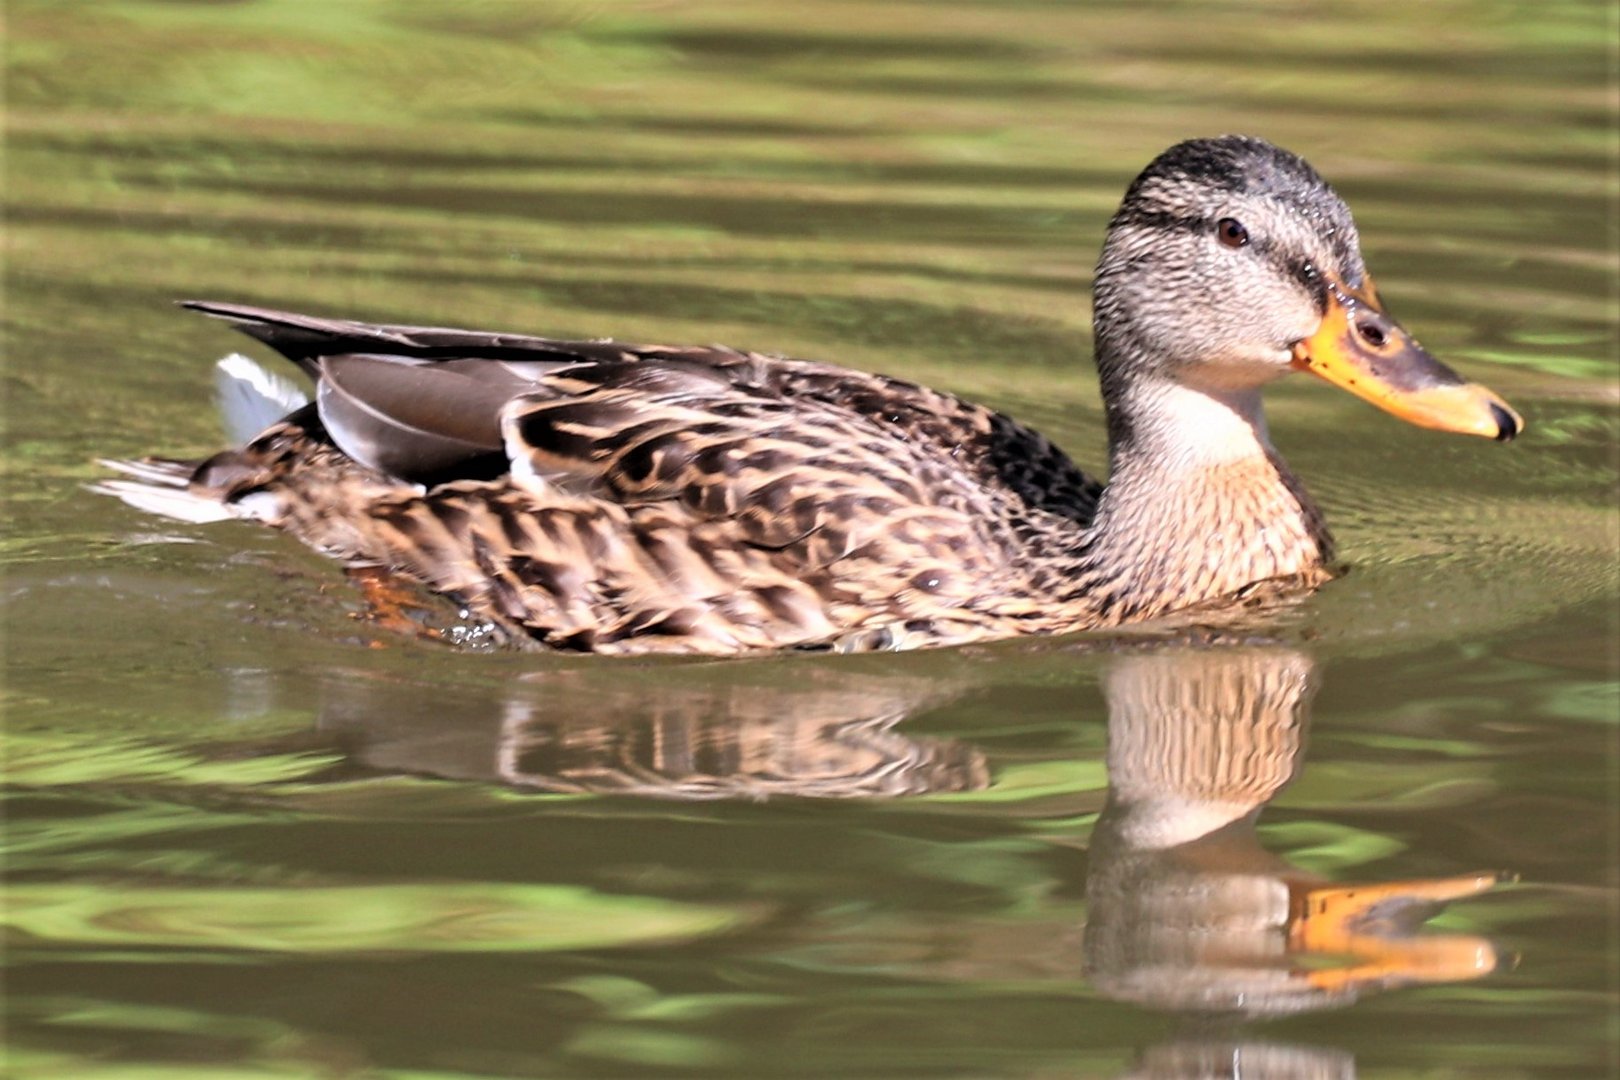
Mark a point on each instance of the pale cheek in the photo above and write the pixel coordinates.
(1269, 321)
(1261, 343)
(1296, 318)
(1300, 327)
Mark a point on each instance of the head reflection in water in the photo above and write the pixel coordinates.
(1186, 911)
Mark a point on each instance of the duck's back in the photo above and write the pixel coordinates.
(623, 498)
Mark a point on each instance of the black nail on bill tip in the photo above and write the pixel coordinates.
(1506, 426)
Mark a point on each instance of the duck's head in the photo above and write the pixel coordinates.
(1231, 262)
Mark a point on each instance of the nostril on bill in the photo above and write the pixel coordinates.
(1372, 334)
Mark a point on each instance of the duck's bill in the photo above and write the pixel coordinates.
(1366, 352)
(1357, 933)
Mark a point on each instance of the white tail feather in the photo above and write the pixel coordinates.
(174, 474)
(252, 398)
(166, 501)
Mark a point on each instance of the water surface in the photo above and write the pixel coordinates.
(250, 833)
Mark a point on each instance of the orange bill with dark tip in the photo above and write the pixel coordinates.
(1361, 349)
(1363, 933)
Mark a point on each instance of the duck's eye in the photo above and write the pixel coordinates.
(1231, 232)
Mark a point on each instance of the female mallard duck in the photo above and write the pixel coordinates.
(626, 498)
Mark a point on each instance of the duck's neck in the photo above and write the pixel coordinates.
(1198, 504)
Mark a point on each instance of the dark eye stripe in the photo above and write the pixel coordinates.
(1159, 219)
(1307, 275)
(1302, 271)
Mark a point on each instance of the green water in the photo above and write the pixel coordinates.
(250, 834)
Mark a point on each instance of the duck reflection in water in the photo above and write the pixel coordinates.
(1188, 913)
(811, 736)
(1185, 911)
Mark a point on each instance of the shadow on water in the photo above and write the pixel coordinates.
(1187, 913)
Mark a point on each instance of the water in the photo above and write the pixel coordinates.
(250, 833)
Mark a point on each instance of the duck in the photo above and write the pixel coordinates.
(598, 496)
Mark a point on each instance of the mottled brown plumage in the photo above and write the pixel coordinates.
(622, 498)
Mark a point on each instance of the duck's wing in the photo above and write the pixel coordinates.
(995, 451)
(787, 442)
(421, 404)
(635, 422)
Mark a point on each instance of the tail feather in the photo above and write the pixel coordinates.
(300, 338)
(160, 472)
(162, 497)
(251, 398)
(305, 339)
